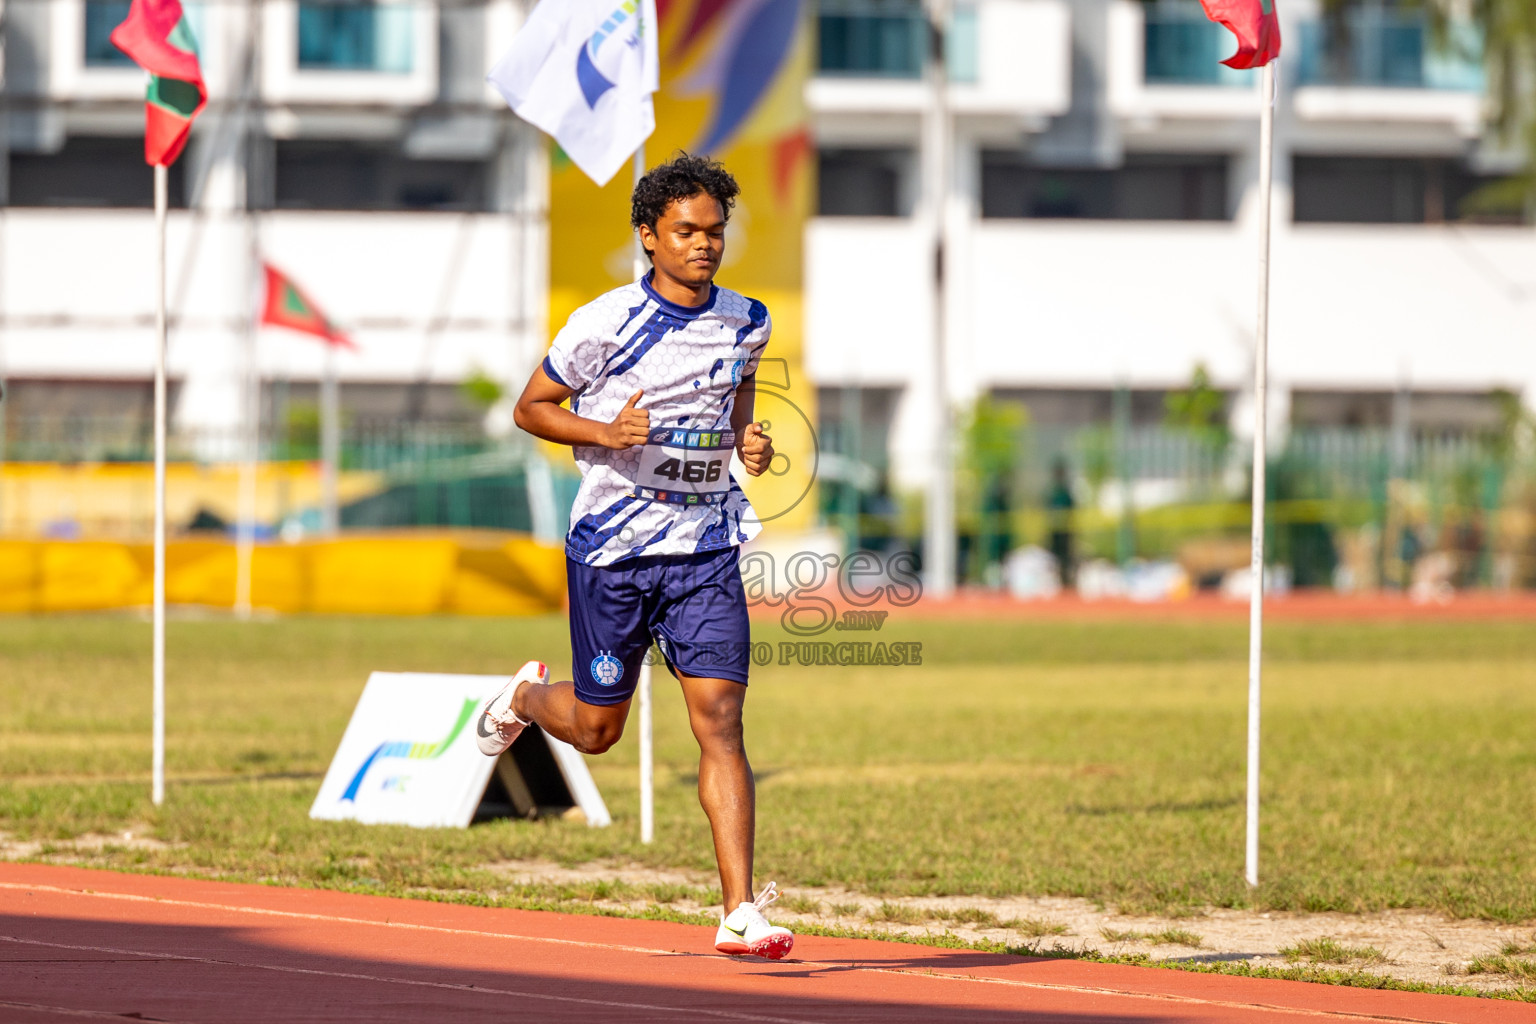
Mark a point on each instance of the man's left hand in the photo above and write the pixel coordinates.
(755, 449)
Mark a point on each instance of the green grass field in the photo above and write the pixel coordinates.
(1100, 759)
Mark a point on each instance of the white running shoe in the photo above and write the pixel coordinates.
(746, 930)
(495, 724)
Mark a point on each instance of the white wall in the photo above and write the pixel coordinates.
(439, 294)
(1096, 304)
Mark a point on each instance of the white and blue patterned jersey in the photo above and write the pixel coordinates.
(689, 361)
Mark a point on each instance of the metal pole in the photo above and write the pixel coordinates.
(647, 766)
(245, 516)
(330, 444)
(5, 101)
(158, 784)
(939, 528)
(647, 747)
(5, 199)
(1260, 399)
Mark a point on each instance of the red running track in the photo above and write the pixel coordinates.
(96, 945)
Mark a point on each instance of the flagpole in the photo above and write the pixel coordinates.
(1260, 452)
(158, 784)
(245, 515)
(330, 443)
(647, 752)
(939, 554)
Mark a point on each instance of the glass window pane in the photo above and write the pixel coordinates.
(872, 38)
(356, 37)
(1384, 47)
(1184, 47)
(101, 17)
(963, 47)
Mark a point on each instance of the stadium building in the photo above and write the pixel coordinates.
(1103, 212)
(1101, 219)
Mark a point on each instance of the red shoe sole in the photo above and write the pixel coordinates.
(774, 947)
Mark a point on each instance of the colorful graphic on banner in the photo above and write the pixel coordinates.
(377, 778)
(733, 75)
(410, 750)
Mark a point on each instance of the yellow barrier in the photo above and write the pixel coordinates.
(468, 572)
(105, 499)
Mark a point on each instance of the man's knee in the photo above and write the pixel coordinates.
(718, 719)
(597, 737)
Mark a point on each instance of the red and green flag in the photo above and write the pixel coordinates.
(157, 37)
(1256, 26)
(288, 306)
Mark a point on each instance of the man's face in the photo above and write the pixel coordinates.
(689, 240)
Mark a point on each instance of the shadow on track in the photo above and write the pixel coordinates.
(289, 971)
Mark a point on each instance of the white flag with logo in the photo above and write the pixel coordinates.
(584, 71)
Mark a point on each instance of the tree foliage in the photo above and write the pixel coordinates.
(1199, 409)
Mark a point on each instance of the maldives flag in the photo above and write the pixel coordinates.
(288, 306)
(158, 39)
(1256, 26)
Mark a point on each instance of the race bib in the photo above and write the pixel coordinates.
(686, 467)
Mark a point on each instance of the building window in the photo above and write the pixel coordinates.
(356, 37)
(872, 38)
(866, 182)
(1147, 187)
(889, 39)
(853, 429)
(1395, 190)
(46, 420)
(1181, 46)
(365, 176)
(1391, 46)
(101, 17)
(1422, 412)
(1075, 408)
(91, 171)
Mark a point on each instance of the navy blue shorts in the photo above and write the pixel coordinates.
(693, 605)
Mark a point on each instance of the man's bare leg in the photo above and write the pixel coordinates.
(726, 789)
(590, 728)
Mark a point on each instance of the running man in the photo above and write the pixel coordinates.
(659, 375)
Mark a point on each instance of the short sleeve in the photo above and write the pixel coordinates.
(575, 354)
(755, 335)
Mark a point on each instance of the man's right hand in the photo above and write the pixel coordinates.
(630, 427)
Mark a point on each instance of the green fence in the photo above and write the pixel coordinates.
(1357, 507)
(1363, 507)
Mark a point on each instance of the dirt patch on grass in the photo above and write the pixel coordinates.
(1405, 945)
(66, 849)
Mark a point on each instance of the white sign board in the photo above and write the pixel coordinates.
(408, 756)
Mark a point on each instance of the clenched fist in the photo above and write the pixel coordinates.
(630, 427)
(755, 449)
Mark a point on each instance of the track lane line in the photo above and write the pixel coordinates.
(65, 1011)
(840, 966)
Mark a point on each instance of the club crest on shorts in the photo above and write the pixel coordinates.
(606, 669)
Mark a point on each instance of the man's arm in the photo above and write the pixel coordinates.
(754, 446)
(540, 413)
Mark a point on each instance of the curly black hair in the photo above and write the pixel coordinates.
(682, 177)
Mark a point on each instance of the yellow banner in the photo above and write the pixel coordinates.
(461, 572)
(733, 76)
(116, 500)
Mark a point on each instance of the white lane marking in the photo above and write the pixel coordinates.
(301, 916)
(841, 965)
(415, 983)
(65, 1011)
